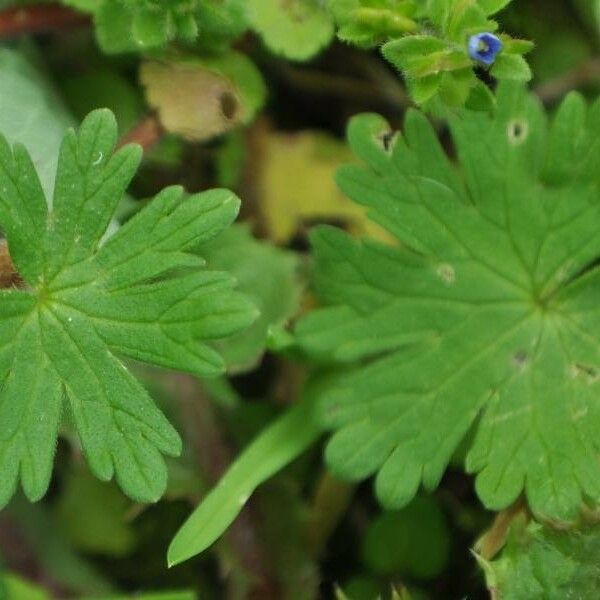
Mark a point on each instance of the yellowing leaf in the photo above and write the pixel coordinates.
(297, 185)
(202, 98)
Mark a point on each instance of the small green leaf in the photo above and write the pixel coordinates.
(150, 28)
(516, 46)
(412, 46)
(114, 24)
(187, 26)
(424, 88)
(541, 562)
(367, 23)
(456, 87)
(423, 56)
(296, 29)
(219, 22)
(412, 542)
(276, 293)
(491, 7)
(277, 445)
(467, 18)
(141, 294)
(481, 98)
(139, 25)
(511, 66)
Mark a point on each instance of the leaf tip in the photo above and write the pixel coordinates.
(176, 557)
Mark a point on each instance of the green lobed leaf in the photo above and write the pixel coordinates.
(295, 29)
(219, 22)
(140, 25)
(483, 316)
(114, 27)
(142, 294)
(276, 292)
(414, 541)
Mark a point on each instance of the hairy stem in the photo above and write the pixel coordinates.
(493, 540)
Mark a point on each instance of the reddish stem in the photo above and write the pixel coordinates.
(21, 558)
(40, 18)
(147, 133)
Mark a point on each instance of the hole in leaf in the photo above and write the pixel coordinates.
(517, 132)
(386, 138)
(520, 359)
(229, 105)
(588, 372)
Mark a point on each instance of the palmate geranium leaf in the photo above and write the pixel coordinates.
(142, 294)
(484, 320)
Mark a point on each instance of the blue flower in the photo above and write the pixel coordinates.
(484, 48)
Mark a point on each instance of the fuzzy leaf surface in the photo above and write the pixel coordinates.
(483, 319)
(139, 25)
(84, 303)
(296, 29)
(541, 562)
